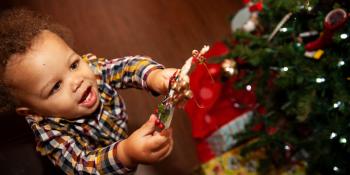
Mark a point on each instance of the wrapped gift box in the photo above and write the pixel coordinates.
(223, 139)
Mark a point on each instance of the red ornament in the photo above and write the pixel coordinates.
(205, 94)
(213, 102)
(334, 20)
(155, 111)
(161, 126)
(256, 7)
(157, 121)
(218, 49)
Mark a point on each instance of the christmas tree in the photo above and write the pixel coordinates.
(297, 60)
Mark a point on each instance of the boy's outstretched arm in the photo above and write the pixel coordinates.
(145, 145)
(137, 72)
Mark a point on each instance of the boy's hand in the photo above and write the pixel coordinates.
(145, 145)
(158, 80)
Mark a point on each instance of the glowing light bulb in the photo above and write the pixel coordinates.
(341, 63)
(284, 69)
(320, 80)
(284, 29)
(344, 36)
(337, 104)
(333, 135)
(248, 87)
(335, 168)
(343, 140)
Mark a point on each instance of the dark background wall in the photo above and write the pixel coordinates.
(166, 30)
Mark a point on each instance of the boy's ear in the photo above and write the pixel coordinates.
(24, 111)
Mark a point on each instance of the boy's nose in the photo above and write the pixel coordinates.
(76, 84)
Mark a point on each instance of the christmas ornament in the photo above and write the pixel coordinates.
(217, 100)
(334, 20)
(229, 67)
(221, 103)
(247, 18)
(314, 54)
(179, 90)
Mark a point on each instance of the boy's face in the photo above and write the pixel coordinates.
(50, 79)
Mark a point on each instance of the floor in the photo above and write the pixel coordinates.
(166, 30)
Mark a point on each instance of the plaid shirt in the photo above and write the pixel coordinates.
(88, 145)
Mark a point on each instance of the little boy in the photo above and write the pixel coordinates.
(71, 102)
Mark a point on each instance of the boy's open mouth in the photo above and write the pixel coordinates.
(88, 98)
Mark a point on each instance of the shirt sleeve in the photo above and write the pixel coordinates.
(73, 157)
(125, 72)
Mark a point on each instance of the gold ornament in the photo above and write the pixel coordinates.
(188, 94)
(229, 67)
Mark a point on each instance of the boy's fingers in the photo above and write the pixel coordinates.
(171, 143)
(150, 126)
(169, 150)
(161, 153)
(157, 142)
(163, 136)
(165, 132)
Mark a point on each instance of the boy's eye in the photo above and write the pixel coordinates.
(74, 65)
(55, 88)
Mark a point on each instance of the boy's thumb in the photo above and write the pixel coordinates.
(150, 126)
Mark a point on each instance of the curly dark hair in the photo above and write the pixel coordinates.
(18, 29)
